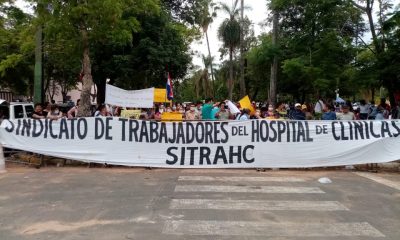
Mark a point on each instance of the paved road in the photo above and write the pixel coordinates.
(76, 203)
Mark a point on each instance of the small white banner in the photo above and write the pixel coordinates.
(129, 98)
(231, 144)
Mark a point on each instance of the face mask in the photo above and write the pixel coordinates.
(270, 109)
(161, 110)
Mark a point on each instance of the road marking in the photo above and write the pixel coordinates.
(246, 189)
(256, 205)
(381, 180)
(241, 228)
(240, 179)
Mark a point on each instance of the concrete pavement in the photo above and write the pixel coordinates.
(76, 203)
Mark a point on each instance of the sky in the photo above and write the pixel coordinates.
(258, 13)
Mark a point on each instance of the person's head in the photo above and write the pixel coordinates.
(174, 108)
(209, 100)
(346, 109)
(38, 107)
(280, 105)
(257, 113)
(297, 106)
(222, 105)
(304, 108)
(78, 102)
(246, 111)
(54, 108)
(102, 109)
(169, 109)
(270, 108)
(383, 101)
(328, 107)
(192, 108)
(362, 102)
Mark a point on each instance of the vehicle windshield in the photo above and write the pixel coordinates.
(29, 110)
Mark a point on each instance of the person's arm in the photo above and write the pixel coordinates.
(35, 116)
(72, 110)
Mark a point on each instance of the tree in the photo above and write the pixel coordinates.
(16, 49)
(80, 19)
(380, 38)
(206, 18)
(229, 33)
(274, 65)
(203, 86)
(315, 45)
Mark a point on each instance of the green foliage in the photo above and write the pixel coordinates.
(16, 49)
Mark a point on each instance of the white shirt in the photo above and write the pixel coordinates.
(345, 116)
(319, 106)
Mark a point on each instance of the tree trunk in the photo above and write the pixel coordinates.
(378, 48)
(274, 65)
(211, 62)
(242, 82)
(230, 81)
(87, 80)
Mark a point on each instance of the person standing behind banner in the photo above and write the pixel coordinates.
(192, 114)
(364, 110)
(54, 113)
(319, 107)
(329, 113)
(73, 112)
(245, 115)
(346, 114)
(101, 111)
(38, 113)
(223, 113)
(206, 111)
(283, 114)
(296, 113)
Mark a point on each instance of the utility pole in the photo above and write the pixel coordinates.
(242, 82)
(38, 75)
(274, 65)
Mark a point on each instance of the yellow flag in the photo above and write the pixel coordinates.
(160, 95)
(246, 103)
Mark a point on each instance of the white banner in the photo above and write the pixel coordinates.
(232, 144)
(133, 98)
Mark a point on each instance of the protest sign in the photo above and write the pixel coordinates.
(133, 98)
(135, 114)
(245, 103)
(160, 95)
(171, 116)
(208, 144)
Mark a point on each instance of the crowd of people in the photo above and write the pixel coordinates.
(227, 110)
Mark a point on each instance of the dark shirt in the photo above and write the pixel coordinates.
(37, 114)
(298, 115)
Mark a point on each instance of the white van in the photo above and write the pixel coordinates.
(15, 110)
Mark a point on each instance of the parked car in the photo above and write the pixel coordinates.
(15, 110)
